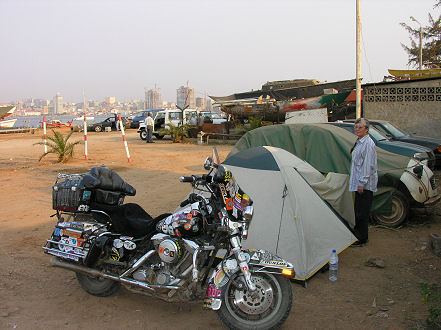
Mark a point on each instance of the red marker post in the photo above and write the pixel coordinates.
(44, 134)
(124, 138)
(85, 136)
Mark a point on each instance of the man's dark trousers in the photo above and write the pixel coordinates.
(362, 208)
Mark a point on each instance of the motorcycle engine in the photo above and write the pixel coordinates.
(170, 250)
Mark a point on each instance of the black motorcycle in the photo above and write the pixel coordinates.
(194, 253)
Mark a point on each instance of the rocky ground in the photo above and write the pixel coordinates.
(377, 285)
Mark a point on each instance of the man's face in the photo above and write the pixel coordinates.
(360, 129)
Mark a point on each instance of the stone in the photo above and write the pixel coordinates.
(375, 262)
(435, 244)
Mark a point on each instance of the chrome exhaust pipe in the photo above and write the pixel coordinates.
(54, 261)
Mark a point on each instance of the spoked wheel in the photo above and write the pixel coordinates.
(266, 308)
(98, 129)
(101, 287)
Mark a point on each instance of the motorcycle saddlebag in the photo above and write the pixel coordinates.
(70, 195)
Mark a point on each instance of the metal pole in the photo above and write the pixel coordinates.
(421, 47)
(358, 64)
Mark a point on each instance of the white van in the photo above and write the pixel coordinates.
(165, 117)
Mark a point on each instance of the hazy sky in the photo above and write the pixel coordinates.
(119, 47)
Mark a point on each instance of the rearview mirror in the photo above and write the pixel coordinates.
(208, 163)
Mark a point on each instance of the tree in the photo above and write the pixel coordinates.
(431, 42)
(59, 145)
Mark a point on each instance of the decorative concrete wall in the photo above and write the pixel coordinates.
(412, 105)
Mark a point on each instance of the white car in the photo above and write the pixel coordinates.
(165, 117)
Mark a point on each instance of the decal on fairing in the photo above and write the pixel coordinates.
(212, 292)
(223, 192)
(187, 226)
(229, 204)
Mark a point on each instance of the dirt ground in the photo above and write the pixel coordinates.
(34, 295)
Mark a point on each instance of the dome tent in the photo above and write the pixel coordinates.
(290, 218)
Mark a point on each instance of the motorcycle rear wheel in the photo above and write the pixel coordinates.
(100, 287)
(270, 309)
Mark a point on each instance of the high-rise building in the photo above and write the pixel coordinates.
(200, 103)
(186, 96)
(153, 99)
(110, 100)
(58, 104)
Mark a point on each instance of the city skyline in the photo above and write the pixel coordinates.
(221, 48)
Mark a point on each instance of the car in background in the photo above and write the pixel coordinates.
(164, 118)
(395, 134)
(108, 122)
(213, 117)
(418, 152)
(141, 116)
(403, 182)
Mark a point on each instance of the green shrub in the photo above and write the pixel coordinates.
(59, 145)
(431, 296)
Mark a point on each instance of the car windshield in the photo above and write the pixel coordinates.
(392, 130)
(376, 135)
(175, 115)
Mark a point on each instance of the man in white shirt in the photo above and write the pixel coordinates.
(149, 126)
(364, 178)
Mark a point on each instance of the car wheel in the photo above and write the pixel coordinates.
(400, 211)
(143, 135)
(98, 128)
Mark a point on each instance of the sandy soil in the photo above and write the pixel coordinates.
(34, 295)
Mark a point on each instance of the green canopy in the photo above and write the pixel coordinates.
(327, 148)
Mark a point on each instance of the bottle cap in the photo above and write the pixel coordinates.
(334, 251)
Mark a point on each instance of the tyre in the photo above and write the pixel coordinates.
(400, 211)
(96, 286)
(271, 307)
(143, 135)
(98, 128)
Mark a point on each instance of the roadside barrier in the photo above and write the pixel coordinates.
(44, 135)
(124, 138)
(85, 136)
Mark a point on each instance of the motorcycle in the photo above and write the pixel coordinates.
(194, 253)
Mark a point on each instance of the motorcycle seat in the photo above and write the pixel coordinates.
(128, 219)
(102, 177)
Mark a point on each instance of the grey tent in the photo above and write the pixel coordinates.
(290, 218)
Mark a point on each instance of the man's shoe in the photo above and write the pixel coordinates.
(358, 244)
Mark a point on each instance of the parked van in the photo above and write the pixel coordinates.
(165, 117)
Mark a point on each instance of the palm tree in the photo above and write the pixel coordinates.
(59, 145)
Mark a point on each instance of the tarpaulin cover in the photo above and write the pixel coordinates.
(327, 149)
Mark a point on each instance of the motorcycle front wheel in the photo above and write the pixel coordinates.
(266, 308)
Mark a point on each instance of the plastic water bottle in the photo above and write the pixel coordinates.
(333, 266)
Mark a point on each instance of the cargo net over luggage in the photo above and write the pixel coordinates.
(69, 194)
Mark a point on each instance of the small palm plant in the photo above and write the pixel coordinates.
(59, 145)
(177, 133)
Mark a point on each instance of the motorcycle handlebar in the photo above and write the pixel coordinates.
(186, 179)
(191, 199)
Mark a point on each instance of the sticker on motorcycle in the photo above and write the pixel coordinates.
(212, 292)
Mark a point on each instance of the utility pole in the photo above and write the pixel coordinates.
(84, 103)
(421, 41)
(358, 64)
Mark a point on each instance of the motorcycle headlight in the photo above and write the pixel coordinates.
(248, 212)
(420, 155)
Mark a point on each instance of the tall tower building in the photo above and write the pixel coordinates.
(58, 104)
(153, 99)
(181, 97)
